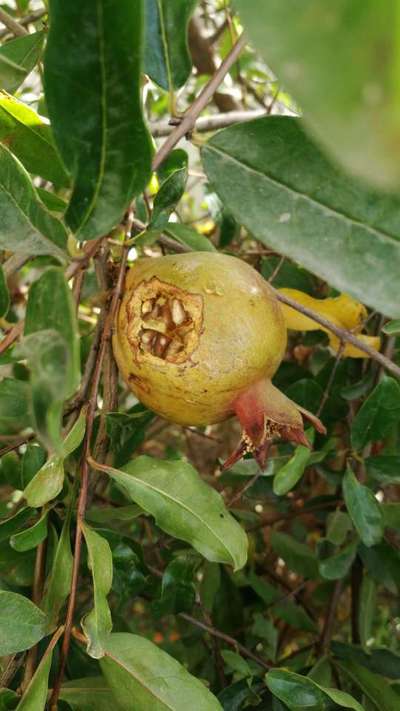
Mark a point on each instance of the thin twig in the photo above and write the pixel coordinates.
(18, 443)
(37, 591)
(189, 119)
(291, 514)
(12, 336)
(327, 632)
(341, 333)
(14, 263)
(276, 270)
(238, 495)
(205, 124)
(227, 638)
(330, 380)
(83, 494)
(24, 21)
(12, 24)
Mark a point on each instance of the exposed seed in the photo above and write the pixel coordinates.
(177, 312)
(147, 336)
(147, 306)
(173, 349)
(161, 342)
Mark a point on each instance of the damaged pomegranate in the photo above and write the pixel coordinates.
(198, 338)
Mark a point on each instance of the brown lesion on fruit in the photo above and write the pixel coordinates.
(164, 322)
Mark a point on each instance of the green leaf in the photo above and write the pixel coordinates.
(48, 357)
(338, 526)
(392, 328)
(366, 615)
(16, 569)
(290, 474)
(372, 685)
(298, 556)
(381, 661)
(189, 237)
(135, 668)
(15, 411)
(49, 297)
(26, 225)
(287, 610)
(4, 294)
(30, 537)
(35, 695)
(32, 460)
(49, 480)
(263, 628)
(363, 509)
(30, 139)
(91, 694)
(23, 53)
(127, 432)
(92, 45)
(169, 194)
(58, 584)
(178, 592)
(10, 71)
(11, 525)
(385, 469)
(51, 201)
(391, 515)
(338, 565)
(22, 624)
(279, 185)
(46, 484)
(184, 506)
(295, 691)
(378, 414)
(76, 434)
(236, 663)
(299, 692)
(98, 623)
(299, 43)
(167, 58)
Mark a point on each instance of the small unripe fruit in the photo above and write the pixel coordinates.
(198, 338)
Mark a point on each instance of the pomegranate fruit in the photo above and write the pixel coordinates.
(198, 338)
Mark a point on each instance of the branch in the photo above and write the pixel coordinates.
(341, 333)
(229, 640)
(12, 24)
(83, 494)
(208, 123)
(189, 119)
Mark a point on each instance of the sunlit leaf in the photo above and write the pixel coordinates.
(135, 668)
(26, 226)
(17, 59)
(184, 506)
(97, 624)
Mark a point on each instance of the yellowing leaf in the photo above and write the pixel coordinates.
(343, 311)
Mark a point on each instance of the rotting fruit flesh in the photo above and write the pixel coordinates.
(198, 338)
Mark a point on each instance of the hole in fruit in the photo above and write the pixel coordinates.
(164, 321)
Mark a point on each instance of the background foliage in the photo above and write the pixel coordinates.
(133, 573)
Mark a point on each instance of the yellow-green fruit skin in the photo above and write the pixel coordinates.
(241, 337)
